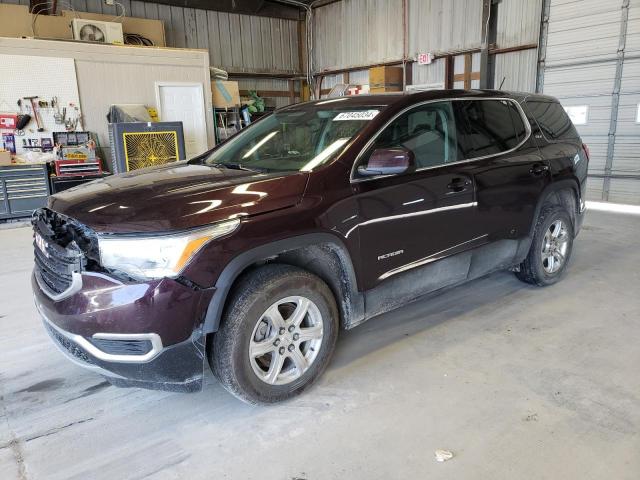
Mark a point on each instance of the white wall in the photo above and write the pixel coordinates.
(109, 74)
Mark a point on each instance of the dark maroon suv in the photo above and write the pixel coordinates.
(316, 218)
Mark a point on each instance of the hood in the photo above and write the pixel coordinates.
(177, 197)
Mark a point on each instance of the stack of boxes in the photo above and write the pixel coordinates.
(385, 79)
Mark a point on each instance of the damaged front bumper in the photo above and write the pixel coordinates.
(136, 335)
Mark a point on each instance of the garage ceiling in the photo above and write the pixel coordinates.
(265, 8)
(268, 8)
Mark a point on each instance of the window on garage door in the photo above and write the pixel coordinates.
(554, 122)
(488, 127)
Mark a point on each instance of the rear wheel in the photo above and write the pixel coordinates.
(277, 334)
(550, 249)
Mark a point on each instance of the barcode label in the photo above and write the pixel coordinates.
(361, 115)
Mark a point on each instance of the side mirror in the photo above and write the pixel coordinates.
(387, 161)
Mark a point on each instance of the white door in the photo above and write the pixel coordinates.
(184, 102)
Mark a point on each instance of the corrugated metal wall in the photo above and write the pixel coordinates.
(581, 61)
(355, 33)
(235, 42)
(443, 25)
(518, 22)
(516, 71)
(429, 74)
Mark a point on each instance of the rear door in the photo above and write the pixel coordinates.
(509, 172)
(408, 220)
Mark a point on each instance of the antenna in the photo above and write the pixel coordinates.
(502, 83)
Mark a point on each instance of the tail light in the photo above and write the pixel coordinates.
(586, 150)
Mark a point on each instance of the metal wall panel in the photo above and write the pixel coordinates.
(443, 25)
(361, 32)
(357, 32)
(516, 71)
(518, 22)
(428, 74)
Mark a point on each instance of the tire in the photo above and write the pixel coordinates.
(547, 260)
(253, 322)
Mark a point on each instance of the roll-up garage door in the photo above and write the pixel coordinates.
(590, 61)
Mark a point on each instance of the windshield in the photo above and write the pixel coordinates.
(292, 139)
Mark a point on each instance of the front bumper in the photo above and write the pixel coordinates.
(145, 334)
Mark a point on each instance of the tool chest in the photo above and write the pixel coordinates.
(23, 188)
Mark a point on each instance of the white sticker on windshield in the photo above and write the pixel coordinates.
(361, 115)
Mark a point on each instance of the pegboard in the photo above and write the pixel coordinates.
(47, 77)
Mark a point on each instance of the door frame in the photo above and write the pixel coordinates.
(162, 83)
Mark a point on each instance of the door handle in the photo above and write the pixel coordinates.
(539, 169)
(458, 185)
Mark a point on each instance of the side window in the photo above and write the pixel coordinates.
(426, 134)
(488, 127)
(552, 119)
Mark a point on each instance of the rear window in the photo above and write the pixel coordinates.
(488, 127)
(553, 120)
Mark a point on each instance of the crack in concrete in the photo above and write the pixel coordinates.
(14, 444)
(57, 429)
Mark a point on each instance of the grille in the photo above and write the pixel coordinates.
(55, 270)
(54, 263)
(68, 345)
(122, 347)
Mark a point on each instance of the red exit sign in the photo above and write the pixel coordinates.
(425, 58)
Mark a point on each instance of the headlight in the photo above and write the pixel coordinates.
(158, 256)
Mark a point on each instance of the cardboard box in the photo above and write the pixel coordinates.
(5, 158)
(55, 27)
(15, 21)
(385, 79)
(225, 93)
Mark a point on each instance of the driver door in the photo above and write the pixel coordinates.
(427, 212)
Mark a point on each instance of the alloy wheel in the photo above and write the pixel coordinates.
(286, 340)
(554, 247)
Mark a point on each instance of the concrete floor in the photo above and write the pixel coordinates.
(519, 382)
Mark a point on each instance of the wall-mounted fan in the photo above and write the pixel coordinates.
(91, 33)
(97, 31)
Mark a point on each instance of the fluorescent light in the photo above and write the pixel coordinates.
(260, 143)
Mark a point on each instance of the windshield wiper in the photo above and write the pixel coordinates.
(237, 166)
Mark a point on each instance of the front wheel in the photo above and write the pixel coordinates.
(550, 249)
(277, 334)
